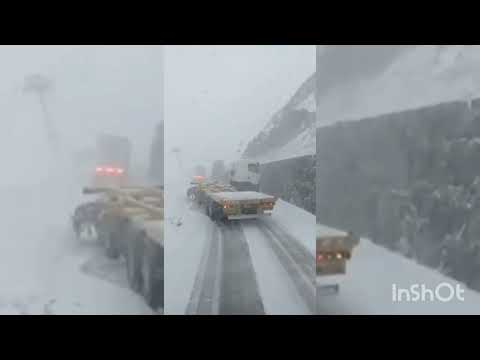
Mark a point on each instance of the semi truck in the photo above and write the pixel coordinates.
(129, 223)
(244, 175)
(334, 249)
(222, 202)
(112, 161)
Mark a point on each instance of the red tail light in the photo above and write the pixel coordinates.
(109, 170)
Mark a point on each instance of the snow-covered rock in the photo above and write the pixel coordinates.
(291, 131)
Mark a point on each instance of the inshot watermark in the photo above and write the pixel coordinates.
(443, 292)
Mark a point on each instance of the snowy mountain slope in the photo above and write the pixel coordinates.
(290, 132)
(301, 145)
(420, 76)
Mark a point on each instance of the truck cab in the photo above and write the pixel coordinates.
(112, 161)
(244, 175)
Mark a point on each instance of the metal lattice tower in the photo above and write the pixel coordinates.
(40, 85)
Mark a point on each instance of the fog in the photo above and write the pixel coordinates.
(338, 64)
(217, 97)
(114, 89)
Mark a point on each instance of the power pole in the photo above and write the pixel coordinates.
(40, 85)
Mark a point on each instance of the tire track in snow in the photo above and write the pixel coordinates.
(295, 259)
(226, 281)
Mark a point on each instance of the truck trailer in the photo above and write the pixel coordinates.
(223, 202)
(334, 249)
(129, 224)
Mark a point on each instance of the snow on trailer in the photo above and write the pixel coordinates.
(244, 196)
(223, 202)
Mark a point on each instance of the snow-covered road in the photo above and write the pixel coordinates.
(189, 230)
(367, 288)
(44, 270)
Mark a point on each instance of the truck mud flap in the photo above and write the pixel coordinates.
(328, 290)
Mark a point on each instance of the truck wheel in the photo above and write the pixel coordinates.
(111, 249)
(190, 195)
(152, 275)
(213, 212)
(208, 210)
(217, 213)
(132, 262)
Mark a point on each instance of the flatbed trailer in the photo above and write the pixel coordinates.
(129, 222)
(223, 202)
(334, 249)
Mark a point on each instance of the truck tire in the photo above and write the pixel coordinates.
(132, 258)
(217, 213)
(208, 210)
(192, 195)
(111, 248)
(152, 274)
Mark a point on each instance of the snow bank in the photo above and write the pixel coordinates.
(297, 222)
(186, 231)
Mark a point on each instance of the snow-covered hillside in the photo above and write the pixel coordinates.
(291, 131)
(420, 76)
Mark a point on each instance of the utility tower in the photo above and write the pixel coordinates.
(41, 85)
(177, 151)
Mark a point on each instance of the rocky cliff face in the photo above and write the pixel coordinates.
(292, 179)
(410, 181)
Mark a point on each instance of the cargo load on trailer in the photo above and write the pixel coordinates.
(129, 223)
(223, 202)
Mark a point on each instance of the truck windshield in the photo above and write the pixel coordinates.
(255, 168)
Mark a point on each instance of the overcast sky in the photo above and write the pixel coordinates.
(218, 96)
(116, 89)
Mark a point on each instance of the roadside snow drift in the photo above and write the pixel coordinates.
(373, 274)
